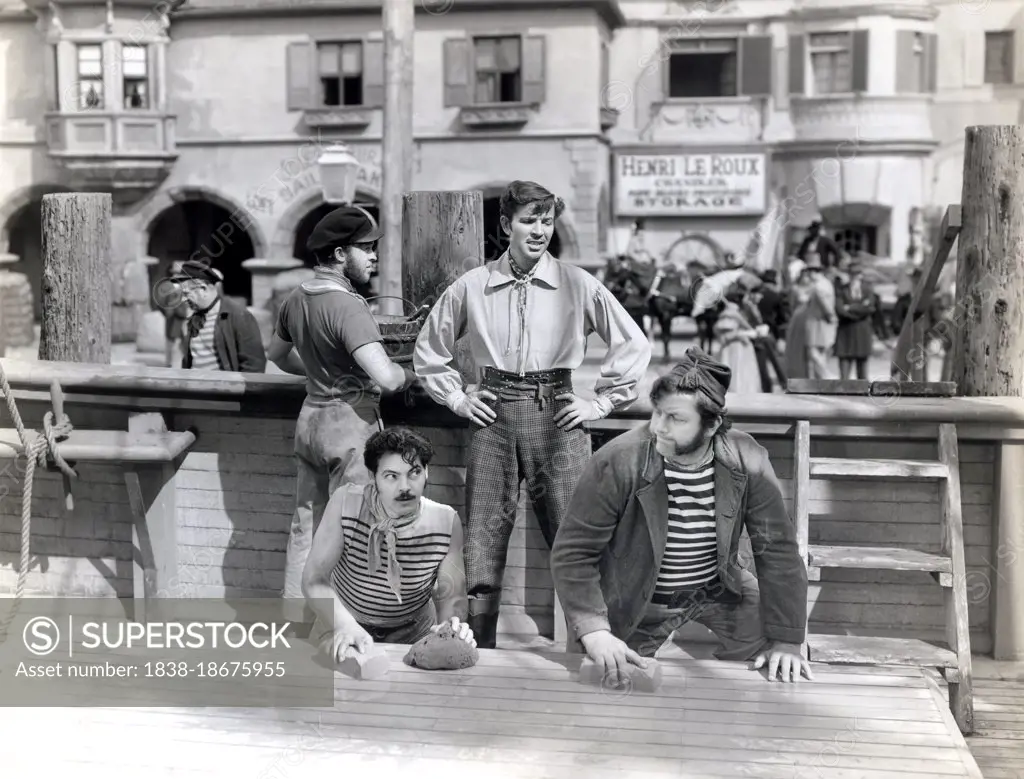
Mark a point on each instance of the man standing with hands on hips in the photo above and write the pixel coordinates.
(326, 332)
(526, 317)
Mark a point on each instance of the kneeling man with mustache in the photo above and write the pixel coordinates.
(386, 563)
(651, 537)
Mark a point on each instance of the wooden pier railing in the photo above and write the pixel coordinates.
(234, 492)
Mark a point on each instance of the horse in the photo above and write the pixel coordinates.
(643, 289)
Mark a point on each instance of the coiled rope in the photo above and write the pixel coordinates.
(37, 447)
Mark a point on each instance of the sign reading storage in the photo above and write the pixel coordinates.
(703, 184)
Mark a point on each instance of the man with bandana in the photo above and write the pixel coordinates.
(219, 334)
(526, 317)
(651, 538)
(386, 563)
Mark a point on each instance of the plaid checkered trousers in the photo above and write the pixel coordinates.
(523, 443)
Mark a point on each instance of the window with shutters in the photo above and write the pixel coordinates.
(999, 57)
(831, 55)
(702, 68)
(135, 76)
(340, 70)
(90, 76)
(498, 68)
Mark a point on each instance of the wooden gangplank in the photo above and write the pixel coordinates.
(520, 714)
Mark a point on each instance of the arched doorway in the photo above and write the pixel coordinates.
(495, 240)
(305, 227)
(24, 236)
(199, 229)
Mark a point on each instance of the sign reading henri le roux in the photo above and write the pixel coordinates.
(704, 184)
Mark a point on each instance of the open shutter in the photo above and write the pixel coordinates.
(860, 61)
(755, 66)
(52, 82)
(458, 73)
(373, 74)
(797, 57)
(534, 65)
(906, 73)
(299, 69)
(931, 62)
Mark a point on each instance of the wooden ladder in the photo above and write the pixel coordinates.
(947, 567)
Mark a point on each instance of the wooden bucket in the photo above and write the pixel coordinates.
(398, 332)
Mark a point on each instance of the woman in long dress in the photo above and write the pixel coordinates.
(796, 329)
(734, 334)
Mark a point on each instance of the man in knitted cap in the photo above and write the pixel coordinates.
(651, 537)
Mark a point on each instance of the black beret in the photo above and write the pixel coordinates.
(343, 226)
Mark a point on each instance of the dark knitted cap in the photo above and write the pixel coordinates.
(700, 373)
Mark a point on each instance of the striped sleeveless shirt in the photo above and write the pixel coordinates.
(422, 545)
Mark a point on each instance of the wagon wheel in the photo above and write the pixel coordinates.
(694, 249)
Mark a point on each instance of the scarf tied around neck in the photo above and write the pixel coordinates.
(382, 544)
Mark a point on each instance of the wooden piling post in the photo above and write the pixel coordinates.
(77, 278)
(397, 145)
(442, 238)
(988, 357)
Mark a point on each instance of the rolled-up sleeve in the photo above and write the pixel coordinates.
(434, 355)
(629, 352)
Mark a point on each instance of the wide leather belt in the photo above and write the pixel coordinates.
(539, 385)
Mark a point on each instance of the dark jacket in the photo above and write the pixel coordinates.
(774, 308)
(237, 341)
(828, 249)
(609, 547)
(855, 333)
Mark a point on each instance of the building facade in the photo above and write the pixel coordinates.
(206, 120)
(741, 121)
(724, 125)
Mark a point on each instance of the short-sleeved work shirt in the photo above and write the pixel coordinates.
(326, 326)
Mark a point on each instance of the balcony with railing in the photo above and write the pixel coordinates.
(706, 120)
(854, 118)
(126, 153)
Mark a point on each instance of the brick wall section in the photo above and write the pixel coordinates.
(235, 498)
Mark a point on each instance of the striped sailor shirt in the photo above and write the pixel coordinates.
(691, 548)
(204, 352)
(422, 546)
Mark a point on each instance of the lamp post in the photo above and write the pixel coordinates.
(339, 171)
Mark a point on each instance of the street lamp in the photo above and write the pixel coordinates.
(339, 171)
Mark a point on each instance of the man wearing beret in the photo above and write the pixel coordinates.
(651, 537)
(326, 332)
(220, 334)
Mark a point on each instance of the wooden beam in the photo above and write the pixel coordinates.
(77, 281)
(1005, 575)
(442, 238)
(988, 356)
(907, 356)
(397, 147)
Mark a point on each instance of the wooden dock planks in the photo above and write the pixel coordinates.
(522, 714)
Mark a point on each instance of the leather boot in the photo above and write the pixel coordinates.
(485, 629)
